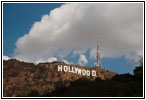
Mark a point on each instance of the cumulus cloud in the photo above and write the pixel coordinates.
(82, 60)
(6, 58)
(76, 27)
(67, 62)
(51, 59)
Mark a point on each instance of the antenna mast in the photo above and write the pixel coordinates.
(97, 62)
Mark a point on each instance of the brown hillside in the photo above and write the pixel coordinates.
(27, 79)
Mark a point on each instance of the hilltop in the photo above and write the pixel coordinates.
(44, 79)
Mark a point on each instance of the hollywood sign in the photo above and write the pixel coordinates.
(76, 70)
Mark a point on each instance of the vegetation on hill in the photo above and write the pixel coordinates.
(22, 79)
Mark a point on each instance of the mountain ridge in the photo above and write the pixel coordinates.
(23, 79)
(20, 77)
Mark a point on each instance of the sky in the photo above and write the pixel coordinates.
(46, 32)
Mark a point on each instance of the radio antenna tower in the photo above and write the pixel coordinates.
(97, 62)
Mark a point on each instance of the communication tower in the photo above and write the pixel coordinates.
(97, 62)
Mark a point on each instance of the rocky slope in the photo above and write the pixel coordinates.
(27, 79)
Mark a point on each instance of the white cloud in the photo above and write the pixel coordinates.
(117, 26)
(65, 61)
(40, 61)
(78, 51)
(82, 60)
(51, 59)
(6, 58)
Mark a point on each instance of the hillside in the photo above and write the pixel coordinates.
(44, 79)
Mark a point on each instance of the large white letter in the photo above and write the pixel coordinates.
(83, 71)
(76, 69)
(88, 73)
(79, 71)
(93, 73)
(59, 67)
(65, 68)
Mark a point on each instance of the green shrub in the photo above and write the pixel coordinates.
(138, 72)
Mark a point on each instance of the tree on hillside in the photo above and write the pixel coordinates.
(138, 71)
(140, 60)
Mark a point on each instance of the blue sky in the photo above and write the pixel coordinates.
(19, 19)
